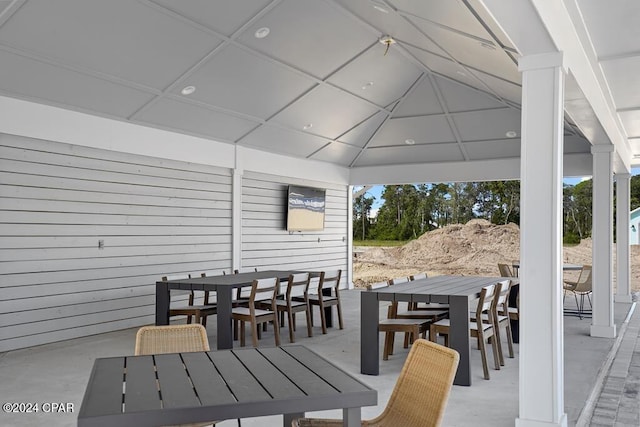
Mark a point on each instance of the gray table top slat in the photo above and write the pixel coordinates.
(141, 378)
(323, 368)
(271, 378)
(234, 280)
(175, 387)
(307, 380)
(106, 397)
(240, 381)
(210, 386)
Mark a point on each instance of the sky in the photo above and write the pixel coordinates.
(376, 191)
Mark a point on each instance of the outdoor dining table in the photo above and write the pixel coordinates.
(178, 388)
(457, 291)
(224, 286)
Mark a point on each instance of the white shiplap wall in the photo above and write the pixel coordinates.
(155, 216)
(267, 245)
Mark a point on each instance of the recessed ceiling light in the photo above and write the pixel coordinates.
(409, 141)
(367, 85)
(188, 90)
(262, 32)
(511, 134)
(307, 126)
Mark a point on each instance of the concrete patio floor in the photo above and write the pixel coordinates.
(59, 372)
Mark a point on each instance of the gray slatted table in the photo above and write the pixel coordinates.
(457, 291)
(179, 388)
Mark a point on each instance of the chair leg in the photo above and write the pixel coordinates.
(509, 339)
(276, 330)
(496, 351)
(309, 323)
(254, 332)
(339, 306)
(242, 334)
(498, 340)
(292, 337)
(204, 321)
(483, 353)
(385, 347)
(323, 319)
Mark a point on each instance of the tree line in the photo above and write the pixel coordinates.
(410, 210)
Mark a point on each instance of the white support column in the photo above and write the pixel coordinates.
(623, 285)
(602, 324)
(349, 238)
(236, 212)
(541, 335)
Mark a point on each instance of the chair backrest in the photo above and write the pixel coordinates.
(171, 339)
(263, 289)
(418, 276)
(485, 302)
(398, 280)
(420, 395)
(584, 280)
(501, 301)
(329, 279)
(505, 270)
(377, 285)
(297, 285)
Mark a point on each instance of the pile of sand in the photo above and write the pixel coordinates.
(474, 248)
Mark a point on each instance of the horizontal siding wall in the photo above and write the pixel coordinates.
(267, 245)
(155, 216)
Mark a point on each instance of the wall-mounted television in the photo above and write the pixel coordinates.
(305, 208)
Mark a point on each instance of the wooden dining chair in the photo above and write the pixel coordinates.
(411, 328)
(420, 395)
(478, 329)
(505, 270)
(199, 311)
(263, 292)
(326, 295)
(500, 320)
(296, 287)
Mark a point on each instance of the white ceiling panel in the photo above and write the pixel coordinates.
(330, 112)
(487, 20)
(613, 30)
(421, 101)
(24, 77)
(310, 35)
(120, 37)
(381, 78)
(236, 80)
(174, 114)
(338, 153)
(450, 13)
(443, 66)
(283, 141)
(462, 98)
(505, 90)
(480, 54)
(382, 17)
(411, 154)
(631, 121)
(487, 124)
(497, 149)
(361, 134)
(223, 16)
(623, 74)
(423, 130)
(576, 144)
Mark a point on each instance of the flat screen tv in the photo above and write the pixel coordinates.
(305, 208)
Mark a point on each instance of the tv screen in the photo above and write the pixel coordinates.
(305, 208)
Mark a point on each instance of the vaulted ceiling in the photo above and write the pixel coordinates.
(314, 79)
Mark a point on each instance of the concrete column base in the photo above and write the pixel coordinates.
(535, 423)
(603, 331)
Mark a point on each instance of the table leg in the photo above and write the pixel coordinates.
(162, 303)
(225, 333)
(459, 337)
(351, 417)
(369, 344)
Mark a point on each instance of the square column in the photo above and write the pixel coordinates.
(602, 324)
(623, 197)
(541, 389)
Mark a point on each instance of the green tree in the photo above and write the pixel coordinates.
(362, 216)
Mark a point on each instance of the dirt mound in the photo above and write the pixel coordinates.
(474, 248)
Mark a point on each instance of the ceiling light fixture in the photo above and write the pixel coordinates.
(367, 85)
(188, 90)
(307, 126)
(387, 41)
(409, 141)
(380, 8)
(511, 134)
(262, 32)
